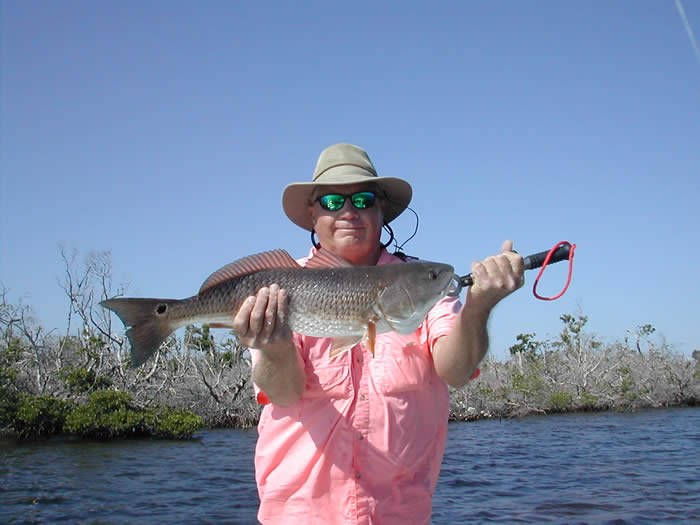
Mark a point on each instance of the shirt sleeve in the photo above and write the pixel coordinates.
(440, 319)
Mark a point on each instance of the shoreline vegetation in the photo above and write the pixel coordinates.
(82, 384)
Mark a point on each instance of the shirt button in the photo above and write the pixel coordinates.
(359, 359)
(360, 437)
(358, 475)
(362, 397)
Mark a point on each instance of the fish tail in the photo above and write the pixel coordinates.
(148, 323)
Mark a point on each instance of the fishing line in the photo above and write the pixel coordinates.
(688, 29)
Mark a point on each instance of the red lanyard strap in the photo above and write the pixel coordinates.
(561, 251)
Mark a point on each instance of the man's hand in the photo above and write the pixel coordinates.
(457, 355)
(261, 321)
(495, 277)
(261, 324)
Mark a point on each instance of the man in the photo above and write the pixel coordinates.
(360, 438)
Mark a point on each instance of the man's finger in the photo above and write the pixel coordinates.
(271, 311)
(257, 316)
(242, 317)
(282, 306)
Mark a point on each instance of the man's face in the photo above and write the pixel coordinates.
(349, 232)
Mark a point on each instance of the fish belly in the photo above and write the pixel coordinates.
(317, 326)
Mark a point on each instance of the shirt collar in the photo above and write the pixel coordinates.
(384, 257)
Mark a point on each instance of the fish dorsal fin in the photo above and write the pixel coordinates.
(325, 259)
(248, 265)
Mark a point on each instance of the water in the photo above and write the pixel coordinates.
(580, 468)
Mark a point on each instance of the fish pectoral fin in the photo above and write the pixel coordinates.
(402, 326)
(343, 344)
(383, 315)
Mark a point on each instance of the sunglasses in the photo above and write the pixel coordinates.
(334, 201)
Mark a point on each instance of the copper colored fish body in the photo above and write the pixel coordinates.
(327, 298)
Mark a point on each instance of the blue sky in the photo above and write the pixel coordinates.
(165, 132)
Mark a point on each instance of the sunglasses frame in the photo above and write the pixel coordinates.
(351, 197)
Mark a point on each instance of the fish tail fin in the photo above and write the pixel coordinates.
(147, 322)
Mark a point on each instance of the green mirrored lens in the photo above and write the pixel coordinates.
(332, 202)
(362, 200)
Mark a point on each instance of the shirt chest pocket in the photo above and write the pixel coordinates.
(402, 364)
(330, 381)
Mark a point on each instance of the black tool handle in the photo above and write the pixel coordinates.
(537, 259)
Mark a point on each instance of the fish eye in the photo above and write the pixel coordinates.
(432, 275)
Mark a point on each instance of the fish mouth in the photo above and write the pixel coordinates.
(453, 287)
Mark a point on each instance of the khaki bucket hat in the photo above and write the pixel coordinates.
(344, 164)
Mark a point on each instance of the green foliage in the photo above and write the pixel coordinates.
(9, 356)
(573, 336)
(526, 346)
(9, 396)
(108, 414)
(530, 382)
(573, 327)
(199, 338)
(83, 380)
(228, 358)
(559, 401)
(588, 401)
(8, 406)
(643, 332)
(111, 414)
(174, 423)
(627, 381)
(93, 347)
(646, 330)
(40, 416)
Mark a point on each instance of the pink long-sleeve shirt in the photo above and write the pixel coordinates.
(365, 442)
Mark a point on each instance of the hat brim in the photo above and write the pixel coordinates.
(297, 197)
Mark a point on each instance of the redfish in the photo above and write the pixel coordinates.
(328, 297)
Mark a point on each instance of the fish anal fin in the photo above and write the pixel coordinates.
(248, 265)
(325, 259)
(343, 344)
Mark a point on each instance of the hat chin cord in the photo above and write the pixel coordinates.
(317, 244)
